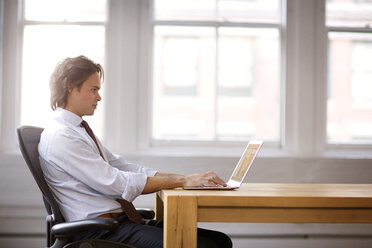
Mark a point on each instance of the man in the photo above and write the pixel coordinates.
(89, 181)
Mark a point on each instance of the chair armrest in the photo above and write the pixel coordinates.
(146, 213)
(68, 229)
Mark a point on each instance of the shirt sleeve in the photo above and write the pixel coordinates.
(74, 155)
(120, 163)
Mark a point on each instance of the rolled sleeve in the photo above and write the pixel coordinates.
(135, 184)
(149, 171)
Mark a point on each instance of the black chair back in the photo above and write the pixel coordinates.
(29, 138)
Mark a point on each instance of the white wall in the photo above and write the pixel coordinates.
(22, 214)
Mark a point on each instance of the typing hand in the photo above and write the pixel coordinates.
(204, 179)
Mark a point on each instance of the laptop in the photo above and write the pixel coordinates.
(240, 170)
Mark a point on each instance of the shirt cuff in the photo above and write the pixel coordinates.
(148, 171)
(135, 184)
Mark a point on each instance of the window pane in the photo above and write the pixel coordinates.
(218, 10)
(350, 88)
(357, 13)
(248, 83)
(184, 87)
(65, 10)
(195, 100)
(43, 47)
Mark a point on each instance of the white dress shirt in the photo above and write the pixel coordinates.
(85, 185)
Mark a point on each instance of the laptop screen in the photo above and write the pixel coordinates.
(245, 161)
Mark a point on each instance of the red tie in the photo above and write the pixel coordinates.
(91, 134)
(127, 206)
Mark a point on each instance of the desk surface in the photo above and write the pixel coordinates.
(265, 203)
(282, 195)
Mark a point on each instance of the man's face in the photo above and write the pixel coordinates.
(85, 101)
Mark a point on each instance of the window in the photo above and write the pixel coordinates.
(349, 102)
(52, 31)
(196, 77)
(216, 70)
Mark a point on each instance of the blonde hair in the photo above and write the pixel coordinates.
(71, 72)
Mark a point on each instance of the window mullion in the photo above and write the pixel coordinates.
(145, 98)
(64, 23)
(122, 71)
(12, 31)
(216, 89)
(289, 66)
(300, 111)
(1, 65)
(321, 47)
(215, 24)
(349, 29)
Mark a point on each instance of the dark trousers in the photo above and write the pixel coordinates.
(151, 235)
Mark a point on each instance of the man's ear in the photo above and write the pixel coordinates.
(69, 88)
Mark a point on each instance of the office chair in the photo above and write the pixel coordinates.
(59, 232)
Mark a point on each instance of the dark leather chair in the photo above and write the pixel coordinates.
(60, 232)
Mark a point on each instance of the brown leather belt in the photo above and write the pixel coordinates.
(110, 215)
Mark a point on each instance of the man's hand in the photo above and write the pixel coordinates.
(169, 181)
(204, 179)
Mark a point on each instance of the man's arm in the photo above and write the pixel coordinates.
(168, 181)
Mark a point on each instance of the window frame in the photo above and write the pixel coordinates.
(146, 142)
(10, 74)
(1, 61)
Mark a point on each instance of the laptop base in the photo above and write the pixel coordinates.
(210, 188)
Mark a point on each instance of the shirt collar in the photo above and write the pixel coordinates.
(68, 116)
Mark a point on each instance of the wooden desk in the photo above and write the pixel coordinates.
(265, 203)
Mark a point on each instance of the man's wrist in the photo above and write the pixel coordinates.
(182, 180)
